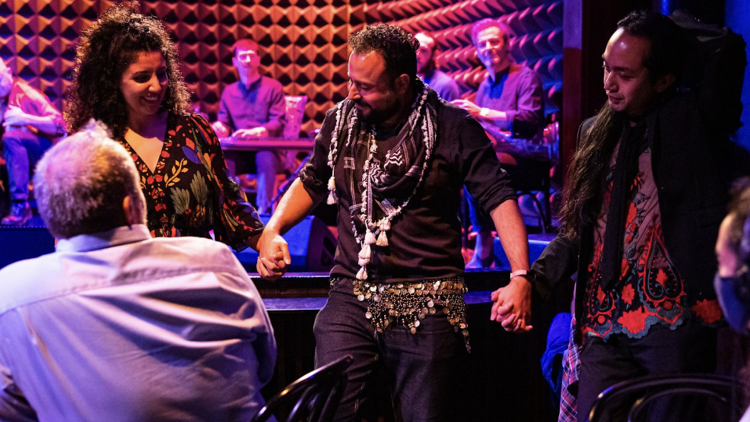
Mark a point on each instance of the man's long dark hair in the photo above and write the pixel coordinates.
(586, 181)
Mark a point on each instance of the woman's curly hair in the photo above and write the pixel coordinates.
(104, 52)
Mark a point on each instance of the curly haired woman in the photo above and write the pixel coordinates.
(127, 75)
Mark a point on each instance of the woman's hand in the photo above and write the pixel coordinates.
(273, 255)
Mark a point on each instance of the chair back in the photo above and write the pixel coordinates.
(640, 392)
(312, 398)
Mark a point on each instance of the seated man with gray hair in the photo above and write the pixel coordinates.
(118, 326)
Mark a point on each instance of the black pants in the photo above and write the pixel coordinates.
(689, 348)
(424, 371)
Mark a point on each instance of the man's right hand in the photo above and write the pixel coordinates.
(273, 255)
(469, 106)
(256, 132)
(221, 129)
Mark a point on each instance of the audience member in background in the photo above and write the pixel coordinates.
(127, 75)
(30, 125)
(253, 107)
(732, 281)
(117, 326)
(394, 159)
(643, 201)
(510, 106)
(427, 68)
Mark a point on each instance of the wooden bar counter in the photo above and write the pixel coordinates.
(505, 379)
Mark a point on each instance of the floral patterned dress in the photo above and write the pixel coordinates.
(189, 193)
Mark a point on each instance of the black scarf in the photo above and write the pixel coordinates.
(394, 178)
(632, 144)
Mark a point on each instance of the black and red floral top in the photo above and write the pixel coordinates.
(190, 193)
(650, 290)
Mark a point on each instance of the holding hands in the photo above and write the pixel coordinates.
(512, 307)
(273, 255)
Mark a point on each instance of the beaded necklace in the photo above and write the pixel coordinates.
(376, 231)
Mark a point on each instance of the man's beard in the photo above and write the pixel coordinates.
(377, 116)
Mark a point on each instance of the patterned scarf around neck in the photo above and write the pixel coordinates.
(389, 183)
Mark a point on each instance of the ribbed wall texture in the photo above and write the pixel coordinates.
(303, 42)
(536, 40)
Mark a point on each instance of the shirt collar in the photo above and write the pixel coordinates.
(251, 87)
(499, 76)
(101, 240)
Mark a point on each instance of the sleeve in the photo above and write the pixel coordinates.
(557, 263)
(480, 169)
(276, 111)
(734, 298)
(264, 342)
(316, 173)
(224, 115)
(235, 220)
(13, 405)
(529, 117)
(34, 102)
(722, 57)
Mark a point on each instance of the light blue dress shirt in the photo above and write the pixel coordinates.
(117, 326)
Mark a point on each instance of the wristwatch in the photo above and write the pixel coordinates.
(483, 112)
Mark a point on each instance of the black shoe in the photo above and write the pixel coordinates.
(20, 214)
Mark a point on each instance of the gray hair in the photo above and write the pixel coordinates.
(80, 184)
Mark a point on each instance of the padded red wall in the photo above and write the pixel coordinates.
(303, 42)
(536, 40)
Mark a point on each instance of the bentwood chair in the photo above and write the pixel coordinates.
(312, 398)
(636, 395)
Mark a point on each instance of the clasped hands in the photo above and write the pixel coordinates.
(512, 307)
(273, 256)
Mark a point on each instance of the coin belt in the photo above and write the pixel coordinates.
(409, 303)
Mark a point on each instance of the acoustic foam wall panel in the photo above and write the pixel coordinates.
(302, 43)
(536, 40)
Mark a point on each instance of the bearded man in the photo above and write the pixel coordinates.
(394, 158)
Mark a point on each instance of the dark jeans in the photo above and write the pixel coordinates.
(689, 348)
(527, 175)
(267, 165)
(424, 371)
(22, 150)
